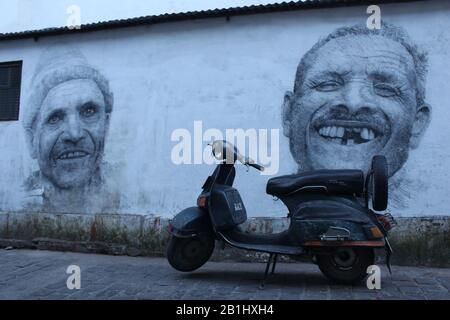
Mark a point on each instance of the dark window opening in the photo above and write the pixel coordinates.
(10, 82)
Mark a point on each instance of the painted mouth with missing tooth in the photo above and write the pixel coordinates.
(73, 154)
(348, 132)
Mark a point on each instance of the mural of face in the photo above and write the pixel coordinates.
(70, 133)
(358, 98)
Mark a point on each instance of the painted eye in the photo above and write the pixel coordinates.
(89, 110)
(328, 86)
(385, 90)
(54, 118)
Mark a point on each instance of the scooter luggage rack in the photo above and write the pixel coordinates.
(390, 219)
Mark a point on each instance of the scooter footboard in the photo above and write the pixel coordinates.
(327, 230)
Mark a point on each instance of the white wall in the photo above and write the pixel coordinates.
(230, 75)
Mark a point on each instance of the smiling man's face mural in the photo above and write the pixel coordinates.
(69, 110)
(358, 93)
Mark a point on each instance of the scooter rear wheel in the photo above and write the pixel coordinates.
(346, 265)
(189, 254)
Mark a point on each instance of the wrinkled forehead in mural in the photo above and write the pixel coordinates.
(67, 118)
(357, 93)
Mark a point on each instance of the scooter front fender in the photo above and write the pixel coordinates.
(190, 223)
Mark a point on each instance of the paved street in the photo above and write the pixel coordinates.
(26, 274)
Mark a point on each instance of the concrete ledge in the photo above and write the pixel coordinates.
(422, 241)
(416, 241)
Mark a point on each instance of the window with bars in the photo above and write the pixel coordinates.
(10, 82)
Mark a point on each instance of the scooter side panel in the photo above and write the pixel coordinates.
(311, 230)
(190, 222)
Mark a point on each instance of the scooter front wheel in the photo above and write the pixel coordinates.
(346, 265)
(189, 254)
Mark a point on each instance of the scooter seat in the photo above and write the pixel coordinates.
(330, 181)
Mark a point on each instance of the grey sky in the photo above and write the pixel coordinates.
(19, 15)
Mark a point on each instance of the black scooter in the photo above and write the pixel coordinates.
(330, 219)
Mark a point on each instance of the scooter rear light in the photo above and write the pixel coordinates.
(376, 233)
(201, 202)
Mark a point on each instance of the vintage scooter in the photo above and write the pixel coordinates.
(330, 218)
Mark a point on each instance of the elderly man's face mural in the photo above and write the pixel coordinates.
(70, 133)
(356, 95)
(67, 119)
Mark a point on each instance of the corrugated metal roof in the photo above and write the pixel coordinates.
(194, 15)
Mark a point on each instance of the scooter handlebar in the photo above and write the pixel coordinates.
(256, 166)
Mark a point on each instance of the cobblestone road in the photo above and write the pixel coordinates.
(26, 274)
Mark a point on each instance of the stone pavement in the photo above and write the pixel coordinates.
(26, 274)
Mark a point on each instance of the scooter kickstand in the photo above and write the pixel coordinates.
(266, 274)
(274, 264)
